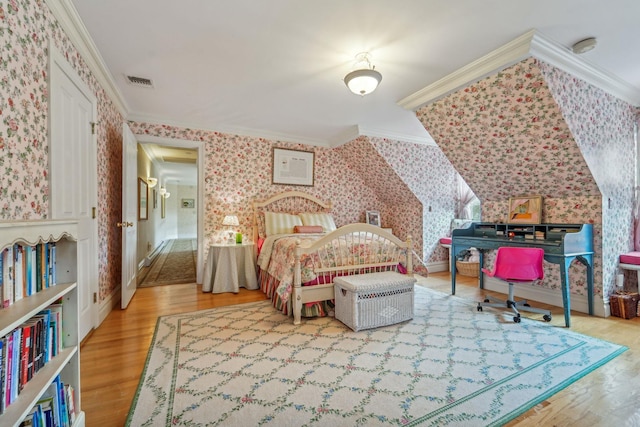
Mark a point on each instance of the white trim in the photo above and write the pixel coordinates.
(200, 184)
(379, 133)
(529, 44)
(435, 267)
(254, 133)
(108, 304)
(67, 15)
(509, 54)
(552, 297)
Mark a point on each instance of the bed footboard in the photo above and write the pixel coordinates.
(352, 249)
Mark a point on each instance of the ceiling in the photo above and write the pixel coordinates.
(274, 69)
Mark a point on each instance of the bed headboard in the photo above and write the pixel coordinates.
(293, 202)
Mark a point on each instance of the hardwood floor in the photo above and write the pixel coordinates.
(113, 356)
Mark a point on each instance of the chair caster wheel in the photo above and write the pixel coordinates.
(546, 318)
(479, 307)
(516, 319)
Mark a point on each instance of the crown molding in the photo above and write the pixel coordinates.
(509, 54)
(233, 130)
(379, 133)
(563, 58)
(530, 44)
(67, 15)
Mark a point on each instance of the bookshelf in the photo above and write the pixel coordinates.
(66, 364)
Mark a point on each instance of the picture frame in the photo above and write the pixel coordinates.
(373, 218)
(163, 207)
(143, 200)
(188, 203)
(293, 167)
(155, 199)
(525, 210)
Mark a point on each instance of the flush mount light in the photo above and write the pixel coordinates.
(584, 45)
(364, 79)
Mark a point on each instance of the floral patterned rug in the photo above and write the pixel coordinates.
(248, 365)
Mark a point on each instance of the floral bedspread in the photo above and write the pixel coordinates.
(344, 252)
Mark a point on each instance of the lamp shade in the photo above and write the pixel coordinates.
(363, 82)
(151, 182)
(231, 220)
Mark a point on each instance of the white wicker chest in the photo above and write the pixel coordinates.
(371, 300)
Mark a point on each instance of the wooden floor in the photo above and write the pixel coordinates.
(113, 356)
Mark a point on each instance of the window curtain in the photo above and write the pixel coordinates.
(464, 197)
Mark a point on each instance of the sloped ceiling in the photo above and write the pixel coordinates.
(506, 136)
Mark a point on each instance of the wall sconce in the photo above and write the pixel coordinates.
(151, 182)
(164, 193)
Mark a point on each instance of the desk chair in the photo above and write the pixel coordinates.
(516, 265)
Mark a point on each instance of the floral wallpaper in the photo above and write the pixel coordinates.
(533, 129)
(26, 29)
(602, 126)
(432, 179)
(238, 172)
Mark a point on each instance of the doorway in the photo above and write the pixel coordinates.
(170, 242)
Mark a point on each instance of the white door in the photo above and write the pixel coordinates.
(73, 163)
(129, 222)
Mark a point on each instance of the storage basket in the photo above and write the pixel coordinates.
(624, 304)
(466, 268)
(371, 300)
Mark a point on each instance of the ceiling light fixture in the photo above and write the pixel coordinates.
(584, 46)
(364, 79)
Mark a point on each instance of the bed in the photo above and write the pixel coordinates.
(301, 251)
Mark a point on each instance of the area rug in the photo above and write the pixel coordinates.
(175, 264)
(248, 365)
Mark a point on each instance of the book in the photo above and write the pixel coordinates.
(70, 397)
(25, 354)
(57, 319)
(52, 264)
(18, 272)
(7, 288)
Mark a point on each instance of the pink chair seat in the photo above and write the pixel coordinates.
(517, 264)
(630, 258)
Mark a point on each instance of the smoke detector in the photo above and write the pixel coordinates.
(584, 46)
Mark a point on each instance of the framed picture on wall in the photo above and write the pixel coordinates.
(163, 207)
(525, 210)
(188, 203)
(373, 218)
(292, 167)
(143, 197)
(155, 199)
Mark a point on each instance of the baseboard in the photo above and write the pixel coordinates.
(436, 267)
(146, 262)
(552, 297)
(108, 304)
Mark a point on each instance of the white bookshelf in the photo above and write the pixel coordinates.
(67, 363)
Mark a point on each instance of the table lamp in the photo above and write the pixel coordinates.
(231, 221)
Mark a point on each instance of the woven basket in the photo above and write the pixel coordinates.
(466, 268)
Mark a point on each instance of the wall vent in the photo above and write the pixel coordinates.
(139, 81)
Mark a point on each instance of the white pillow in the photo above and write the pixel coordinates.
(319, 218)
(280, 223)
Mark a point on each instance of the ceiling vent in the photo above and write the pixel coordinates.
(140, 81)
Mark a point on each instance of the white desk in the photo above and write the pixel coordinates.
(229, 267)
